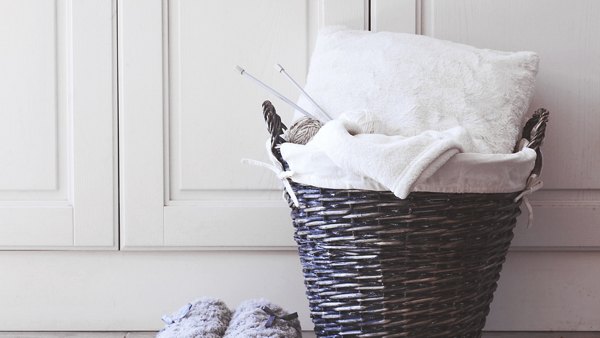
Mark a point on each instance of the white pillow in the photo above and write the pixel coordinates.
(413, 83)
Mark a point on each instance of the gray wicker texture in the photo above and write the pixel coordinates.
(378, 266)
(426, 266)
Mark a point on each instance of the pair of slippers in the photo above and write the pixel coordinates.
(211, 318)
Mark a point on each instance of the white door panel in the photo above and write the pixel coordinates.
(57, 123)
(214, 115)
(187, 119)
(32, 91)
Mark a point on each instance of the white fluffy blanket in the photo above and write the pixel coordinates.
(397, 162)
(412, 83)
(463, 173)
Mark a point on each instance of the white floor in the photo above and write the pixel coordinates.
(305, 335)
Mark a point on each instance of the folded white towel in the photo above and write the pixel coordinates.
(463, 173)
(416, 83)
(396, 162)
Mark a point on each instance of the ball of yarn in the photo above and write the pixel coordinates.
(364, 122)
(303, 130)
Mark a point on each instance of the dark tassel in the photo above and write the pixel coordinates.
(275, 128)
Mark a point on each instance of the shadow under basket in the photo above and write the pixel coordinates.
(378, 266)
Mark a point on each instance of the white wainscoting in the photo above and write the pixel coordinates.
(130, 291)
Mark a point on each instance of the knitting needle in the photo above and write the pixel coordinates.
(242, 71)
(281, 70)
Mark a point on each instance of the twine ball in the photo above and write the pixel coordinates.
(303, 130)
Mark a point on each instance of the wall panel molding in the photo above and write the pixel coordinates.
(58, 185)
(183, 186)
(395, 15)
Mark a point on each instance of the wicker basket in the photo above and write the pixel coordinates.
(379, 266)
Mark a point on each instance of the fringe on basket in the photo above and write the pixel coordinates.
(533, 184)
(281, 174)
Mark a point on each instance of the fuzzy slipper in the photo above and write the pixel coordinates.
(204, 318)
(259, 318)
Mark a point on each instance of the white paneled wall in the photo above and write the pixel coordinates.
(196, 222)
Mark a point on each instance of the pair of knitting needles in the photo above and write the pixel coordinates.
(281, 70)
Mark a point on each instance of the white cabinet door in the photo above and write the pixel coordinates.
(538, 289)
(187, 119)
(57, 123)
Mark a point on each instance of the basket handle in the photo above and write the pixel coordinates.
(534, 131)
(275, 128)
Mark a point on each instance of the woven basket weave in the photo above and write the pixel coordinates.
(379, 266)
